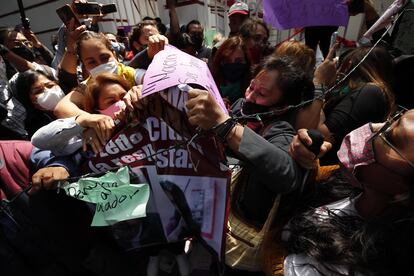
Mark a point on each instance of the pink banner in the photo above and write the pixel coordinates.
(287, 14)
(172, 67)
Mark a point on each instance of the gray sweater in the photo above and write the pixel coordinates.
(270, 169)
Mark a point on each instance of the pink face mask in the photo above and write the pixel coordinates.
(356, 149)
(112, 109)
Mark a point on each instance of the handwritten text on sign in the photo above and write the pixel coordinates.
(286, 14)
(115, 198)
(172, 67)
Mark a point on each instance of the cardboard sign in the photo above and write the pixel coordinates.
(172, 67)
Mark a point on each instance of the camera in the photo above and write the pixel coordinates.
(94, 8)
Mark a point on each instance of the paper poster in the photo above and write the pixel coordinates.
(287, 14)
(181, 173)
(115, 197)
(155, 151)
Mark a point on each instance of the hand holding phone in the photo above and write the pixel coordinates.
(94, 8)
(88, 8)
(66, 14)
(108, 8)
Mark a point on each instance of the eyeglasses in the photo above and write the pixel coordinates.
(20, 43)
(385, 134)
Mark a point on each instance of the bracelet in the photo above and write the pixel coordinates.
(223, 130)
(320, 91)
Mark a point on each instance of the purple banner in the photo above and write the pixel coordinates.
(287, 14)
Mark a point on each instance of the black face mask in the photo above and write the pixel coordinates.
(233, 72)
(197, 39)
(249, 108)
(24, 52)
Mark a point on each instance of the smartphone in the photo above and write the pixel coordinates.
(66, 14)
(108, 8)
(89, 8)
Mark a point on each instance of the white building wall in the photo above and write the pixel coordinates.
(130, 12)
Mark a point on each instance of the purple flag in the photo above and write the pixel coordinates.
(287, 14)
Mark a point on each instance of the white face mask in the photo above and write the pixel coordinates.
(109, 67)
(50, 97)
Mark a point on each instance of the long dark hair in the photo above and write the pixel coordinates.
(23, 85)
(35, 118)
(377, 69)
(373, 246)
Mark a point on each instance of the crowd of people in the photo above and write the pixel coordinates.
(343, 207)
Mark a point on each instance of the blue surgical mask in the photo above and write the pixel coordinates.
(118, 47)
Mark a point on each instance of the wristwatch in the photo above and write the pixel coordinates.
(223, 130)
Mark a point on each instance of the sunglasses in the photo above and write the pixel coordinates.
(385, 134)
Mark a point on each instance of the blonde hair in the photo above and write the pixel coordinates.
(302, 55)
(94, 87)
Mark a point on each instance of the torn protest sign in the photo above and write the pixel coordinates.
(158, 151)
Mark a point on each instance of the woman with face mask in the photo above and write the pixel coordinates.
(255, 36)
(97, 56)
(118, 46)
(103, 102)
(369, 232)
(39, 93)
(260, 143)
(26, 45)
(231, 70)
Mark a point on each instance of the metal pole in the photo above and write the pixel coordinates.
(133, 13)
(126, 12)
(23, 18)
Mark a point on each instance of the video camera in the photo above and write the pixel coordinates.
(94, 8)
